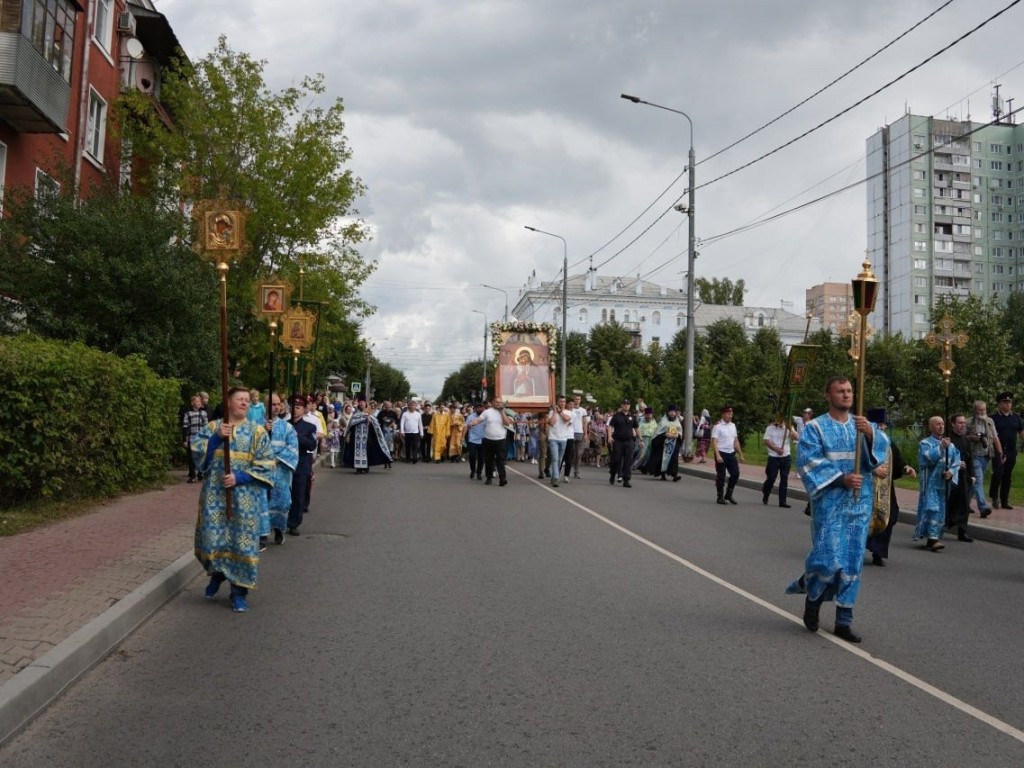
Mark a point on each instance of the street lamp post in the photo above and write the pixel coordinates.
(483, 381)
(565, 296)
(502, 290)
(690, 279)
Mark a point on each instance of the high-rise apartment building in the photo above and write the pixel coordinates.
(830, 304)
(945, 214)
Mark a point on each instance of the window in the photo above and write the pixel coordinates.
(977, 146)
(979, 163)
(997, 287)
(921, 175)
(611, 315)
(96, 131)
(655, 340)
(961, 229)
(920, 245)
(625, 316)
(47, 187)
(583, 315)
(979, 269)
(919, 299)
(995, 165)
(995, 149)
(104, 23)
(920, 228)
(680, 320)
(920, 210)
(997, 216)
(942, 246)
(50, 26)
(979, 250)
(604, 315)
(918, 192)
(920, 264)
(998, 269)
(920, 281)
(656, 318)
(919, 317)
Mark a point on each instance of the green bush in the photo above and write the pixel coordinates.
(78, 423)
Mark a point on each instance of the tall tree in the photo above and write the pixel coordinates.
(284, 155)
(108, 271)
(720, 291)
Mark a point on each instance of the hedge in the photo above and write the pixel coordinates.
(79, 423)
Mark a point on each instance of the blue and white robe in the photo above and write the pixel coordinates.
(932, 461)
(284, 442)
(232, 547)
(839, 520)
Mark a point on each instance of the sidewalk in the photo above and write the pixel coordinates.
(72, 591)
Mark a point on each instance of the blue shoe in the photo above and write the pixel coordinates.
(239, 604)
(213, 588)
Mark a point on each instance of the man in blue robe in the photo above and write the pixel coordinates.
(938, 463)
(284, 442)
(841, 502)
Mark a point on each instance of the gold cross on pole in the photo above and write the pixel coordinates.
(852, 329)
(948, 338)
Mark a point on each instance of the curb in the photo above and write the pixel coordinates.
(30, 691)
(979, 531)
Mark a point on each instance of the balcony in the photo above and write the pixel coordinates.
(33, 97)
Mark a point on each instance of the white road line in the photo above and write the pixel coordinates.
(917, 682)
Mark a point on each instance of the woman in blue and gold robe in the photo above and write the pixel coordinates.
(229, 548)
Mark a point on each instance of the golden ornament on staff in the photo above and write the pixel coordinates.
(221, 238)
(865, 293)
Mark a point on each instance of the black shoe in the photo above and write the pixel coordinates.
(985, 512)
(676, 478)
(784, 505)
(626, 484)
(540, 476)
(731, 500)
(502, 482)
(811, 611)
(847, 634)
(611, 480)
(961, 535)
(807, 510)
(278, 536)
(487, 481)
(263, 543)
(878, 560)
(764, 499)
(293, 532)
(719, 500)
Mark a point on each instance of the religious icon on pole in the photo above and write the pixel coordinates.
(273, 297)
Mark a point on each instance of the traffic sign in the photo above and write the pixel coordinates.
(356, 386)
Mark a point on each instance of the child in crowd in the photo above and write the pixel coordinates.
(334, 441)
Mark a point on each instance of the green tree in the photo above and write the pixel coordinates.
(284, 156)
(108, 271)
(720, 291)
(387, 382)
(458, 384)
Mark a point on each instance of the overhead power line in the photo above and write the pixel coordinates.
(766, 125)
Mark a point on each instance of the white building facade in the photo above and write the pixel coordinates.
(652, 313)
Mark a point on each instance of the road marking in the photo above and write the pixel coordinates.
(885, 666)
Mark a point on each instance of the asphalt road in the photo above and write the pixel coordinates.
(424, 619)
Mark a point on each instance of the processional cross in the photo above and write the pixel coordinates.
(947, 339)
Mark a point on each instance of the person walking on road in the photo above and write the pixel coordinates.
(985, 446)
(725, 445)
(622, 432)
(559, 435)
(777, 438)
(475, 443)
(284, 442)
(192, 423)
(410, 426)
(886, 510)
(495, 420)
(958, 500)
(580, 434)
(842, 495)
(228, 547)
(1009, 427)
(938, 463)
(306, 436)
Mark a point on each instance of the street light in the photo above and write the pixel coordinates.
(483, 381)
(565, 295)
(690, 283)
(484, 285)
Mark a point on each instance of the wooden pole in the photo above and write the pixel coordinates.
(222, 269)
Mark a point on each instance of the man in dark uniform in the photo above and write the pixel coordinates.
(426, 444)
(1008, 427)
(958, 500)
(622, 430)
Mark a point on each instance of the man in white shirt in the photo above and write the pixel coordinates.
(580, 435)
(559, 434)
(777, 438)
(725, 445)
(494, 420)
(410, 427)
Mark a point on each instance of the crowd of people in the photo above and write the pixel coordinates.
(272, 447)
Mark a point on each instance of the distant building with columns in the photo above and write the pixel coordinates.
(651, 313)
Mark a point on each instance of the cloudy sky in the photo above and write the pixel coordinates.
(469, 120)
